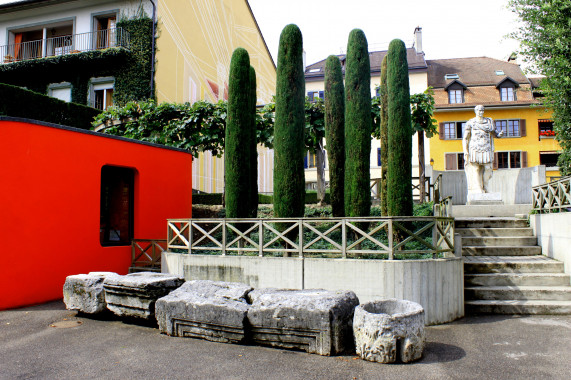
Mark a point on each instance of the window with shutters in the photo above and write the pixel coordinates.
(510, 160)
(511, 128)
(549, 159)
(314, 95)
(452, 130)
(454, 161)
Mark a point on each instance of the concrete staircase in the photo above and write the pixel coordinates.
(505, 273)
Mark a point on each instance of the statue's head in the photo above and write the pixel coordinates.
(479, 110)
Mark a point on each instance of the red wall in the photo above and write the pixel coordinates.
(50, 181)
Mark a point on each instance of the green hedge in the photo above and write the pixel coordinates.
(18, 102)
(263, 199)
(207, 199)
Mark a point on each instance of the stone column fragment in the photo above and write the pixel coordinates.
(84, 292)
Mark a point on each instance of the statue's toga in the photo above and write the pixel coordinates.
(478, 145)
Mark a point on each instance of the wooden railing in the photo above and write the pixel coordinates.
(146, 253)
(385, 238)
(553, 196)
(375, 187)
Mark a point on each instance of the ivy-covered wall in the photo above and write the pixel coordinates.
(131, 68)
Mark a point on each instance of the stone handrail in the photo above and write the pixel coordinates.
(554, 196)
(311, 237)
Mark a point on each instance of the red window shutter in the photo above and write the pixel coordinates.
(441, 131)
(495, 160)
(451, 161)
(524, 159)
(522, 130)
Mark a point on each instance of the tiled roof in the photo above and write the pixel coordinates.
(478, 71)
(484, 95)
(415, 61)
(535, 81)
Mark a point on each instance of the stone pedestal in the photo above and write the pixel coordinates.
(316, 321)
(135, 294)
(84, 292)
(484, 199)
(210, 310)
(383, 328)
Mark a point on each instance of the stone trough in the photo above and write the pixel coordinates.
(388, 330)
(214, 311)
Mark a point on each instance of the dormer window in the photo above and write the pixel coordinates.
(455, 92)
(507, 94)
(507, 88)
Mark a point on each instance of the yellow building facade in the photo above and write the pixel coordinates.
(195, 43)
(509, 99)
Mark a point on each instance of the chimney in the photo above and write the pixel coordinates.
(418, 40)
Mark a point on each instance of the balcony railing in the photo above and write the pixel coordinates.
(553, 196)
(69, 44)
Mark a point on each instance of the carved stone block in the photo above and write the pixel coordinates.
(135, 294)
(210, 310)
(387, 327)
(316, 321)
(84, 292)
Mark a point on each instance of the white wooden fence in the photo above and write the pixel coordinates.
(554, 196)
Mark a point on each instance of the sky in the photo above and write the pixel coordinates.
(450, 28)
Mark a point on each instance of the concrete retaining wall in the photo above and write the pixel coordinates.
(438, 285)
(553, 233)
(514, 184)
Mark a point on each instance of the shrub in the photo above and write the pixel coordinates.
(399, 189)
(357, 126)
(16, 102)
(335, 132)
(384, 136)
(237, 141)
(289, 179)
(253, 146)
(207, 199)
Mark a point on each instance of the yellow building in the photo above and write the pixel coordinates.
(509, 99)
(195, 43)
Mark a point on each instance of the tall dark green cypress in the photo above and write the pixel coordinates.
(335, 133)
(238, 126)
(399, 188)
(384, 137)
(253, 149)
(358, 124)
(289, 179)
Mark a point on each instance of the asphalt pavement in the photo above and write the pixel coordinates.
(48, 342)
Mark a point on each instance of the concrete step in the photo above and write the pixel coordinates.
(518, 307)
(501, 250)
(509, 232)
(554, 293)
(511, 264)
(490, 223)
(516, 279)
(499, 241)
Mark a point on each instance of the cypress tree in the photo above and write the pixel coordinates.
(358, 124)
(335, 132)
(253, 150)
(238, 126)
(399, 189)
(384, 137)
(289, 179)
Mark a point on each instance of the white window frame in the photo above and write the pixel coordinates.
(59, 86)
(101, 83)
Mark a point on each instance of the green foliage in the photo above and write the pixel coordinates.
(358, 126)
(207, 199)
(399, 177)
(16, 102)
(253, 146)
(384, 135)
(289, 179)
(335, 132)
(314, 124)
(422, 109)
(239, 131)
(265, 199)
(133, 80)
(545, 41)
(196, 128)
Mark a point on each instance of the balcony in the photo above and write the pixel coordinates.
(66, 44)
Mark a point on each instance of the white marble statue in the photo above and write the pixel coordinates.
(478, 144)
